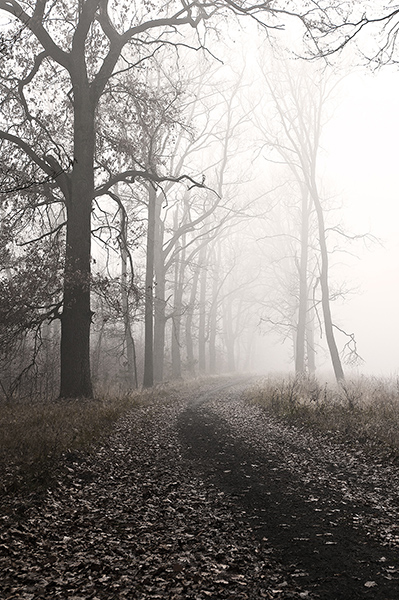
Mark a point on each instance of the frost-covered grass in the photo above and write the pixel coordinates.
(364, 410)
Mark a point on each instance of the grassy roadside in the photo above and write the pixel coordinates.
(36, 438)
(364, 411)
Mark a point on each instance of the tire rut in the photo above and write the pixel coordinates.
(310, 527)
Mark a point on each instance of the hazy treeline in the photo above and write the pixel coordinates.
(161, 204)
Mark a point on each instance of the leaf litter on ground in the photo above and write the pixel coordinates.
(131, 520)
(139, 519)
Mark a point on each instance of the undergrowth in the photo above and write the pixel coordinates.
(364, 411)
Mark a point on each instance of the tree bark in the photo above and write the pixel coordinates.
(310, 344)
(159, 326)
(96, 359)
(77, 315)
(325, 292)
(202, 315)
(213, 313)
(159, 296)
(189, 323)
(178, 305)
(303, 286)
(129, 340)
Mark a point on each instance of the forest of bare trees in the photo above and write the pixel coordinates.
(163, 210)
(199, 385)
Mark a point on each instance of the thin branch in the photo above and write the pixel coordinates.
(44, 235)
(131, 175)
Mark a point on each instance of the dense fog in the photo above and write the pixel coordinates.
(362, 155)
(243, 214)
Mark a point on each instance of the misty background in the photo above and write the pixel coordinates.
(363, 160)
(242, 128)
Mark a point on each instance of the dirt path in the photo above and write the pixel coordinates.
(330, 514)
(206, 497)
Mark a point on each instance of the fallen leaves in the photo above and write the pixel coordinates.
(133, 521)
(322, 504)
(139, 520)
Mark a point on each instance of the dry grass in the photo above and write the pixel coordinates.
(365, 410)
(33, 437)
(37, 436)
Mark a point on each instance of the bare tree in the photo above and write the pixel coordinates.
(374, 27)
(127, 284)
(72, 52)
(299, 99)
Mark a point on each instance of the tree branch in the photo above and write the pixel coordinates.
(23, 82)
(29, 152)
(41, 237)
(35, 24)
(130, 176)
(50, 165)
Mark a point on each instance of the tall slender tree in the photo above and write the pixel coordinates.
(300, 99)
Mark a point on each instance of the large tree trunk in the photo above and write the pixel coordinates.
(310, 344)
(129, 340)
(189, 323)
(180, 265)
(77, 315)
(202, 314)
(96, 359)
(213, 313)
(175, 347)
(159, 328)
(159, 296)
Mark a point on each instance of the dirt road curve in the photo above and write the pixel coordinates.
(207, 497)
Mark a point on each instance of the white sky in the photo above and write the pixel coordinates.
(363, 164)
